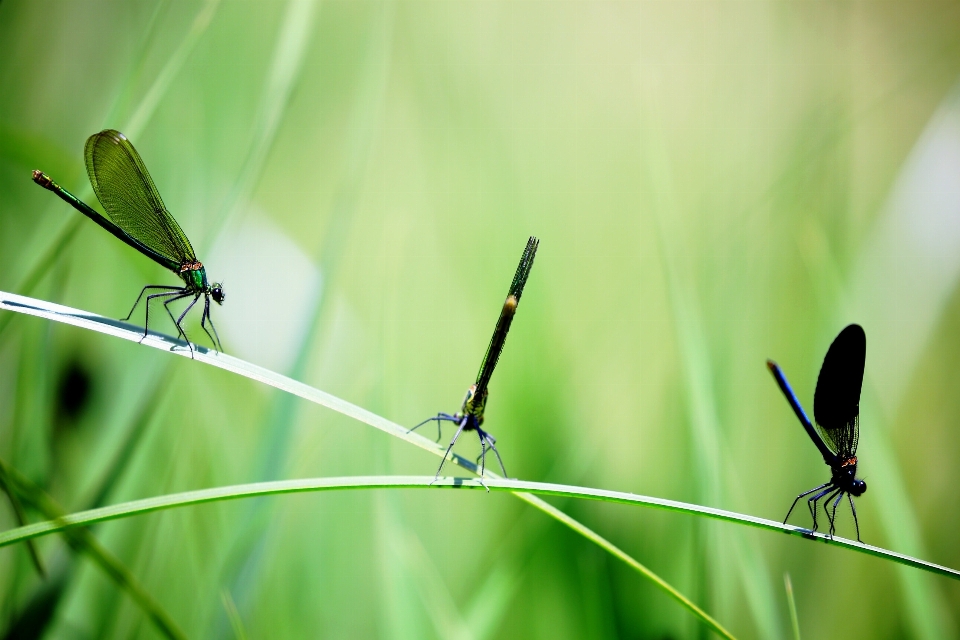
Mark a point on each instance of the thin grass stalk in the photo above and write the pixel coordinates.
(792, 606)
(525, 490)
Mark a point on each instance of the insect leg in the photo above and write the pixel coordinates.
(855, 523)
(182, 316)
(185, 294)
(439, 418)
(215, 338)
(143, 291)
(797, 499)
(463, 423)
(483, 453)
(833, 515)
(812, 502)
(146, 317)
(493, 445)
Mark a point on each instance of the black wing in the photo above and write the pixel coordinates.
(836, 401)
(127, 193)
(506, 316)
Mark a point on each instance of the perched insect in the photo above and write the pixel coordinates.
(836, 409)
(138, 217)
(470, 416)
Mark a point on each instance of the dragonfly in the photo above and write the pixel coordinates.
(470, 416)
(137, 216)
(836, 410)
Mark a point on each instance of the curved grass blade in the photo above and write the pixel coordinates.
(75, 317)
(792, 605)
(525, 489)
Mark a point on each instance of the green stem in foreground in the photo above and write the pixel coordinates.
(519, 488)
(522, 490)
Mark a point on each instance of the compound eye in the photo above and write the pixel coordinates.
(218, 295)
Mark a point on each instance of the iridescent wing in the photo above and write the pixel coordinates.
(127, 193)
(836, 401)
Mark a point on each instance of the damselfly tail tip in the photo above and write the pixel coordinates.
(42, 179)
(772, 366)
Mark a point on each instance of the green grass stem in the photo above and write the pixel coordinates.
(525, 490)
(792, 605)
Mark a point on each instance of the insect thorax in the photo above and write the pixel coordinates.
(474, 406)
(194, 276)
(846, 472)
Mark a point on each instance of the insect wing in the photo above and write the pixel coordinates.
(836, 401)
(506, 315)
(127, 193)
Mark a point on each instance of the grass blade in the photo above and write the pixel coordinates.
(792, 605)
(525, 490)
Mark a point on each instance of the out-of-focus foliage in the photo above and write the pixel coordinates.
(713, 183)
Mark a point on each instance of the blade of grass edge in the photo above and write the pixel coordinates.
(521, 488)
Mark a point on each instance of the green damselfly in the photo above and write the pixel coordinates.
(138, 217)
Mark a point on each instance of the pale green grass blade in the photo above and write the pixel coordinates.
(161, 84)
(235, 621)
(286, 64)
(119, 329)
(527, 491)
(792, 606)
(428, 582)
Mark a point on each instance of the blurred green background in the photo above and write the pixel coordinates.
(713, 183)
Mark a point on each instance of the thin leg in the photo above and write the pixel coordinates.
(493, 445)
(146, 319)
(855, 523)
(483, 452)
(812, 503)
(215, 338)
(483, 457)
(440, 417)
(177, 324)
(833, 515)
(180, 319)
(143, 291)
(463, 423)
(797, 499)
